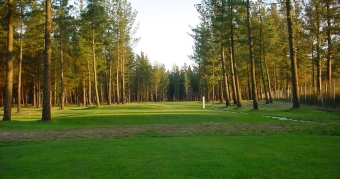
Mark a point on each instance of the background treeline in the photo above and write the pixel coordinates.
(93, 60)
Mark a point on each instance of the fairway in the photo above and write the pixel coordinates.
(172, 140)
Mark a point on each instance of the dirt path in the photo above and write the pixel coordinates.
(163, 130)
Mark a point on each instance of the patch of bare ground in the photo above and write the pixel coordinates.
(163, 130)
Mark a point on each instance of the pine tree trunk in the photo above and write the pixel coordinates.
(84, 90)
(109, 90)
(249, 83)
(252, 61)
(62, 88)
(95, 69)
(236, 86)
(46, 112)
(262, 54)
(89, 88)
(329, 51)
(19, 92)
(117, 76)
(225, 82)
(34, 101)
(123, 79)
(9, 64)
(233, 81)
(238, 91)
(295, 85)
(55, 87)
(268, 82)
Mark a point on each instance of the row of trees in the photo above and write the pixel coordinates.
(243, 46)
(241, 51)
(69, 49)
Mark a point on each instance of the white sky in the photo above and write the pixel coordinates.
(164, 27)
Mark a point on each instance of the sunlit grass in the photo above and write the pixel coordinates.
(172, 140)
(161, 114)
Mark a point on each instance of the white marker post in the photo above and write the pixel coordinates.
(203, 102)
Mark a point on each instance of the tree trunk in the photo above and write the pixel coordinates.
(34, 101)
(295, 85)
(117, 86)
(122, 75)
(252, 61)
(224, 82)
(237, 83)
(9, 64)
(95, 69)
(329, 51)
(318, 57)
(62, 90)
(84, 90)
(268, 82)
(55, 87)
(262, 54)
(46, 113)
(233, 81)
(19, 92)
(89, 93)
(109, 94)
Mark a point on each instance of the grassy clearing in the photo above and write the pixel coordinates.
(172, 140)
(161, 114)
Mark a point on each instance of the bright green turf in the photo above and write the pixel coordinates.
(207, 155)
(160, 114)
(214, 156)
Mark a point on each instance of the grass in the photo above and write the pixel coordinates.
(176, 157)
(172, 140)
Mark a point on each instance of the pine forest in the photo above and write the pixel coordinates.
(55, 53)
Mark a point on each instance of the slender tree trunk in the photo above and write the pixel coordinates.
(117, 75)
(262, 54)
(46, 112)
(224, 82)
(233, 81)
(95, 69)
(55, 87)
(122, 74)
(318, 57)
(329, 51)
(109, 94)
(249, 83)
(62, 88)
(268, 82)
(38, 90)
(19, 92)
(84, 90)
(89, 93)
(236, 87)
(252, 61)
(238, 90)
(34, 93)
(295, 84)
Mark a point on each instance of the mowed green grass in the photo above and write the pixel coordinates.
(275, 156)
(302, 154)
(161, 114)
(122, 115)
